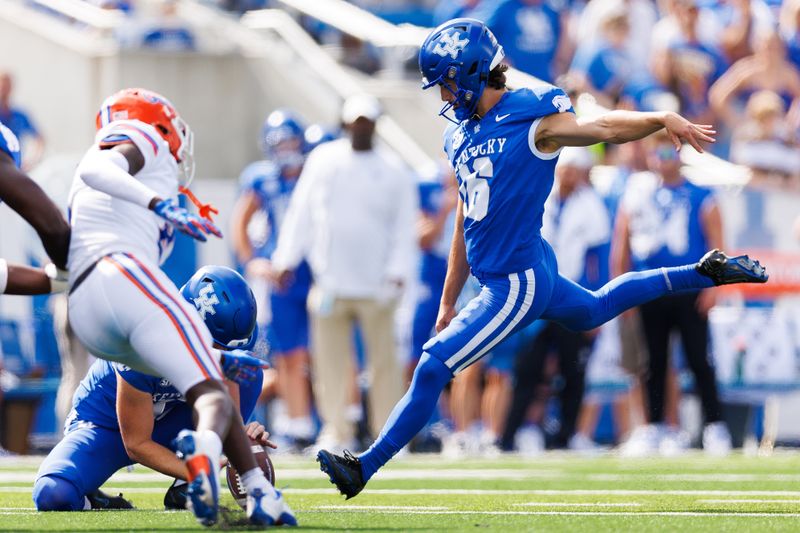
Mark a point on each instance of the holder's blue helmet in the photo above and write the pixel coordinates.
(283, 127)
(227, 305)
(463, 51)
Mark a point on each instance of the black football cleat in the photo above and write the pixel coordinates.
(175, 498)
(343, 471)
(724, 270)
(100, 500)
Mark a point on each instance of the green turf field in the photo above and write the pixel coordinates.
(552, 493)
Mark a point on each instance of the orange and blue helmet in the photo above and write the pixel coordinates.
(153, 109)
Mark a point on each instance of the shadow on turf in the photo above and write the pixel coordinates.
(233, 519)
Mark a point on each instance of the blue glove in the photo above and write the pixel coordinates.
(240, 366)
(184, 221)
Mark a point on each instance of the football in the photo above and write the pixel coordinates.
(235, 483)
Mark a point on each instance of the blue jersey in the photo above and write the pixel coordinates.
(504, 179)
(703, 65)
(10, 144)
(530, 32)
(607, 68)
(431, 198)
(19, 123)
(274, 192)
(665, 222)
(96, 397)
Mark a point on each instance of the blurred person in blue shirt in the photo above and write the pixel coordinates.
(689, 67)
(20, 124)
(589, 18)
(788, 27)
(603, 67)
(665, 220)
(267, 187)
(766, 69)
(438, 199)
(532, 32)
(739, 24)
(168, 31)
(449, 9)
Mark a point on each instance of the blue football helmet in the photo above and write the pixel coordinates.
(282, 139)
(227, 305)
(317, 134)
(462, 51)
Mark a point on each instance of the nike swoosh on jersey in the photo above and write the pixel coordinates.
(498, 118)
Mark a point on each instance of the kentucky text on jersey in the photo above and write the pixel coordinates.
(490, 147)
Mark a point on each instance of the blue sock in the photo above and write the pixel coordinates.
(581, 310)
(687, 277)
(410, 414)
(635, 288)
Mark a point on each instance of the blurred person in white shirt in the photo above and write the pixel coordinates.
(353, 218)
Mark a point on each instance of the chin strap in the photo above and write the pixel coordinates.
(204, 210)
(58, 278)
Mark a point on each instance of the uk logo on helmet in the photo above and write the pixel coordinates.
(450, 45)
(206, 301)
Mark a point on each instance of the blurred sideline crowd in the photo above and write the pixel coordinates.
(346, 249)
(731, 63)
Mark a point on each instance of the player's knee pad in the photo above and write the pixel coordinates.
(56, 494)
(431, 372)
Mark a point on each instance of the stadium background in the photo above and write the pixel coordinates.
(67, 55)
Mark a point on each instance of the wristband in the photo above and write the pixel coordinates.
(3, 275)
(58, 278)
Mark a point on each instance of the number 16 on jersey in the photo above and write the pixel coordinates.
(474, 188)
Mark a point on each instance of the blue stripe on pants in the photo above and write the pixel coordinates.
(504, 305)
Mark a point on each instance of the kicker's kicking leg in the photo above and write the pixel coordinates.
(580, 309)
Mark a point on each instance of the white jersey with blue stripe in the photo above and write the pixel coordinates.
(504, 179)
(102, 224)
(574, 226)
(9, 144)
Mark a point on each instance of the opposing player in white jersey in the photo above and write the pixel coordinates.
(123, 212)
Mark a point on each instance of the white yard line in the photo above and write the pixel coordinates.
(750, 500)
(555, 492)
(380, 508)
(121, 477)
(462, 474)
(580, 513)
(481, 492)
(580, 504)
(710, 477)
